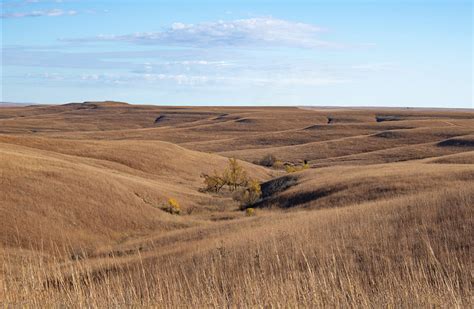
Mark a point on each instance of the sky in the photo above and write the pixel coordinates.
(322, 53)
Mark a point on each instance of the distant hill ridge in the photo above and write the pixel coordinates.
(98, 103)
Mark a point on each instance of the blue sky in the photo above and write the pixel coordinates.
(344, 53)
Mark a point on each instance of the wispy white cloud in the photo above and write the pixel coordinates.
(16, 3)
(101, 79)
(187, 79)
(200, 62)
(155, 61)
(375, 67)
(40, 13)
(184, 65)
(264, 31)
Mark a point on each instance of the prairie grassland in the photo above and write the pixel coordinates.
(405, 252)
(383, 216)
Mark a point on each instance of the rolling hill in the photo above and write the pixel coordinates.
(381, 215)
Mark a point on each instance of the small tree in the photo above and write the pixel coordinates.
(234, 175)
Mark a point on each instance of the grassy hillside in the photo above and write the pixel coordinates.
(95, 192)
(382, 216)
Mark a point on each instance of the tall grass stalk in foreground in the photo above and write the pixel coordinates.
(406, 252)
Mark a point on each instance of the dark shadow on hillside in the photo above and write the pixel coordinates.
(246, 120)
(389, 134)
(272, 197)
(278, 185)
(306, 197)
(297, 199)
(160, 118)
(387, 118)
(456, 142)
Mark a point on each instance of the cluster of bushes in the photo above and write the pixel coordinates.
(270, 160)
(248, 195)
(235, 179)
(296, 168)
(245, 190)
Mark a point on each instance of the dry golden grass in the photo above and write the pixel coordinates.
(406, 252)
(383, 218)
(96, 192)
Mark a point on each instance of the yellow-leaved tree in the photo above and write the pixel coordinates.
(234, 175)
(247, 191)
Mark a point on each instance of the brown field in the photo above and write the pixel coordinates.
(383, 216)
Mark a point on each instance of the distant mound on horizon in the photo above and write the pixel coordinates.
(97, 103)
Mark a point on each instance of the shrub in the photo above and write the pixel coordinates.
(250, 195)
(269, 160)
(296, 168)
(250, 212)
(278, 164)
(213, 183)
(172, 207)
